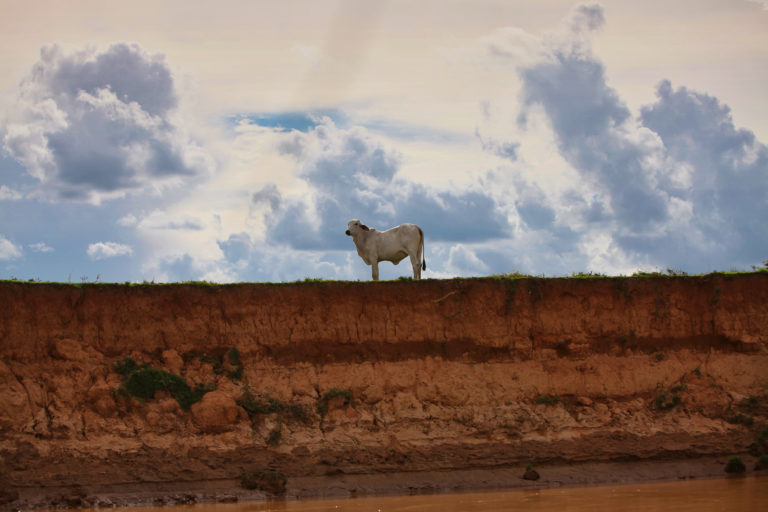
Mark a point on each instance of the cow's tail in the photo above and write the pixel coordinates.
(423, 256)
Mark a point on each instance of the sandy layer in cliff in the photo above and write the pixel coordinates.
(444, 376)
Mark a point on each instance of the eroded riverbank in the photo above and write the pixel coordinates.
(360, 382)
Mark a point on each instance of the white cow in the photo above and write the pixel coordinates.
(390, 245)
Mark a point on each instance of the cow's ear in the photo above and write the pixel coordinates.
(365, 228)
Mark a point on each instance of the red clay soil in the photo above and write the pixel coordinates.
(438, 384)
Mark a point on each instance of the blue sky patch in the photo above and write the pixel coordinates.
(289, 121)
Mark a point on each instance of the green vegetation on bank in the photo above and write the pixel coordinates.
(666, 400)
(735, 465)
(331, 394)
(218, 362)
(142, 382)
(548, 399)
(266, 404)
(511, 276)
(271, 482)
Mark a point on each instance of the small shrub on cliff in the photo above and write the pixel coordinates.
(145, 382)
(127, 365)
(750, 402)
(333, 394)
(267, 481)
(666, 400)
(275, 436)
(741, 419)
(510, 275)
(587, 275)
(218, 363)
(735, 465)
(548, 399)
(251, 404)
(530, 473)
(643, 273)
(265, 404)
(214, 361)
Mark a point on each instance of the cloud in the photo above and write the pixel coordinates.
(237, 247)
(186, 267)
(463, 261)
(351, 174)
(270, 195)
(277, 264)
(507, 150)
(159, 220)
(95, 125)
(104, 250)
(596, 135)
(127, 221)
(40, 247)
(725, 182)
(9, 194)
(584, 19)
(9, 250)
(679, 179)
(609, 182)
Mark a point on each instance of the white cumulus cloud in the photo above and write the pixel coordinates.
(94, 125)
(8, 250)
(9, 194)
(40, 247)
(104, 250)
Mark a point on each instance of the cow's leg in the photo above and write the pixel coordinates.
(416, 264)
(375, 270)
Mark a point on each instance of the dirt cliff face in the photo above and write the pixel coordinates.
(327, 378)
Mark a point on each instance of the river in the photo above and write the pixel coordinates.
(727, 494)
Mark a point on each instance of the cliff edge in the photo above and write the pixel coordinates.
(106, 385)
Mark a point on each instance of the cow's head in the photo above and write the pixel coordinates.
(355, 226)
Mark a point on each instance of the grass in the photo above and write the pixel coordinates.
(270, 481)
(741, 419)
(666, 400)
(275, 436)
(750, 401)
(127, 365)
(505, 276)
(548, 399)
(735, 465)
(233, 355)
(588, 275)
(143, 382)
(265, 404)
(322, 403)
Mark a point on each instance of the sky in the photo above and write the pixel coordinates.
(232, 141)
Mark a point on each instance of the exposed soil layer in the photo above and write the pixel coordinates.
(442, 381)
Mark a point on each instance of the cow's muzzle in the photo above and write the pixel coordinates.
(348, 233)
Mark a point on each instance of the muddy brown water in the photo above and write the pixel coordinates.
(729, 494)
